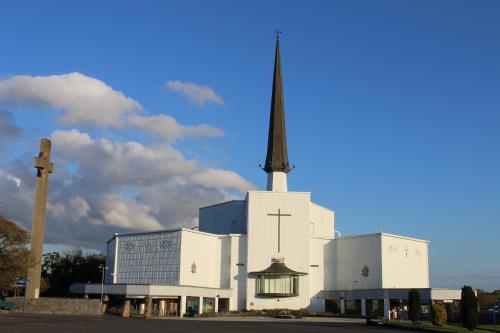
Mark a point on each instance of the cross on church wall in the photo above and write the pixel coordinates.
(279, 215)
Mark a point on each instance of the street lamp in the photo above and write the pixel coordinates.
(494, 309)
(103, 269)
(24, 282)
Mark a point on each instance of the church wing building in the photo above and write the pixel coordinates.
(273, 249)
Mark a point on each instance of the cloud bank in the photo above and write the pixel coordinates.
(104, 185)
(197, 94)
(82, 99)
(167, 127)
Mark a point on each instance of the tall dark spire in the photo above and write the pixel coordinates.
(277, 154)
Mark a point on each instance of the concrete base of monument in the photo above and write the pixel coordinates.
(56, 305)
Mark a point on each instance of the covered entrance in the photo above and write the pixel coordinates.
(168, 307)
(277, 280)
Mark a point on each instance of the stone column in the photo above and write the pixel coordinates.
(200, 305)
(149, 307)
(363, 307)
(387, 308)
(182, 306)
(342, 306)
(44, 167)
(216, 306)
(126, 308)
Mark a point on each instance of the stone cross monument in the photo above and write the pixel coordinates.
(44, 167)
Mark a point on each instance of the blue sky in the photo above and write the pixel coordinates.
(392, 111)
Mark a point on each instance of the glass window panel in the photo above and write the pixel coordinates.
(277, 285)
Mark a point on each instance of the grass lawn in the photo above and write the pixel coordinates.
(428, 326)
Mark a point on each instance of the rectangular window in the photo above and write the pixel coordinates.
(208, 304)
(192, 304)
(277, 285)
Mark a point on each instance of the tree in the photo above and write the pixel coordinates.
(74, 266)
(438, 314)
(469, 308)
(414, 305)
(484, 299)
(14, 257)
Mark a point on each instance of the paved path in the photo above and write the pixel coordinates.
(18, 323)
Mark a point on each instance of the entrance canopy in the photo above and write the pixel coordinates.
(278, 268)
(277, 280)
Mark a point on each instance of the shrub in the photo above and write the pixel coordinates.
(414, 305)
(438, 314)
(469, 308)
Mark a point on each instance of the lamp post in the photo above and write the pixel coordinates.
(103, 268)
(26, 281)
(494, 309)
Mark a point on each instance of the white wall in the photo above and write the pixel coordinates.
(393, 262)
(352, 254)
(330, 260)
(322, 221)
(204, 250)
(224, 218)
(405, 262)
(317, 273)
(238, 272)
(263, 242)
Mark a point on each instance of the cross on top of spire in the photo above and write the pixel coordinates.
(278, 32)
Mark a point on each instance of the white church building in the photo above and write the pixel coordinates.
(273, 249)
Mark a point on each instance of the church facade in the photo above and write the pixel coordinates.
(273, 249)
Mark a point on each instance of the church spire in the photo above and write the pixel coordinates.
(277, 154)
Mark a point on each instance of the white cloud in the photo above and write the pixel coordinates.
(126, 213)
(10, 177)
(81, 99)
(168, 128)
(197, 94)
(218, 178)
(101, 186)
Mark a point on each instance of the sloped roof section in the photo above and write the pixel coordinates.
(278, 269)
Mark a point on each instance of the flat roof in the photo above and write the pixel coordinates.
(385, 234)
(174, 230)
(222, 203)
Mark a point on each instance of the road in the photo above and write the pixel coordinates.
(18, 323)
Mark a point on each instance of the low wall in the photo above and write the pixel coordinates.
(53, 305)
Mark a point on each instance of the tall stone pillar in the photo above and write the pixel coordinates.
(363, 307)
(182, 306)
(342, 306)
(200, 305)
(126, 308)
(387, 309)
(149, 307)
(44, 167)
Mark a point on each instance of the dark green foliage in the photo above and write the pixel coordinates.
(469, 308)
(14, 258)
(414, 305)
(60, 271)
(438, 314)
